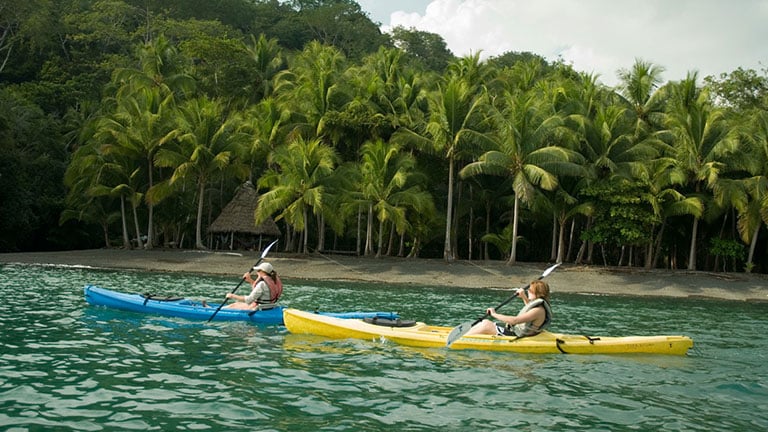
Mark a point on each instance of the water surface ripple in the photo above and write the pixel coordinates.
(65, 365)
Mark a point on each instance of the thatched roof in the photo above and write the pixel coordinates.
(238, 217)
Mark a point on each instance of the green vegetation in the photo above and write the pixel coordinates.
(127, 123)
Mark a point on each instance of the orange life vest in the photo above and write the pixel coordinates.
(275, 287)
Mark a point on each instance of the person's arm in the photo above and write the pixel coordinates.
(529, 316)
(258, 289)
(246, 277)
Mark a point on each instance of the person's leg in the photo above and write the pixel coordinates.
(483, 327)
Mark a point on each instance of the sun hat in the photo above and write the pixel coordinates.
(265, 267)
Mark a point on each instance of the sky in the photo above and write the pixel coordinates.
(596, 36)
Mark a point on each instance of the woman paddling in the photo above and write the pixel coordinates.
(534, 317)
(265, 289)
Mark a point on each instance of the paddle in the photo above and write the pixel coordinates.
(263, 254)
(462, 329)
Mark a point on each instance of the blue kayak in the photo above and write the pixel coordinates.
(195, 310)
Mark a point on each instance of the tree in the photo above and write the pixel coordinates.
(20, 20)
(146, 99)
(701, 140)
(640, 87)
(455, 127)
(310, 87)
(133, 134)
(341, 23)
(523, 152)
(741, 91)
(749, 194)
(386, 185)
(209, 145)
(268, 61)
(423, 48)
(296, 184)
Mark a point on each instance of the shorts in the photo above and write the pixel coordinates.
(504, 331)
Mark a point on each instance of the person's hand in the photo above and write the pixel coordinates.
(247, 275)
(490, 311)
(519, 292)
(230, 295)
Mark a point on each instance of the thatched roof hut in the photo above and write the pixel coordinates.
(237, 221)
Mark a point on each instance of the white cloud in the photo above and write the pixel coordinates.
(602, 36)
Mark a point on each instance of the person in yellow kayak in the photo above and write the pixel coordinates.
(534, 317)
(265, 289)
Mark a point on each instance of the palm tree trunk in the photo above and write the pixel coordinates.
(692, 252)
(561, 241)
(105, 232)
(752, 245)
(448, 254)
(199, 225)
(320, 233)
(469, 229)
(381, 239)
(513, 252)
(369, 232)
(139, 243)
(126, 239)
(657, 245)
(486, 252)
(359, 238)
(391, 239)
(553, 248)
(570, 239)
(150, 222)
(306, 232)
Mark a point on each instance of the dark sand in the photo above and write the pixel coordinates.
(432, 272)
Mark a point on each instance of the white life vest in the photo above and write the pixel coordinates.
(528, 329)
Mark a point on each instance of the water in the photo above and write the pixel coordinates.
(65, 365)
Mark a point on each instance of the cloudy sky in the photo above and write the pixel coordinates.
(597, 36)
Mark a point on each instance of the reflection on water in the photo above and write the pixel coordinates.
(65, 365)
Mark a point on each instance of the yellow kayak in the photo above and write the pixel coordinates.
(419, 334)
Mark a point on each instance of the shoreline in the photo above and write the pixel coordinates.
(567, 278)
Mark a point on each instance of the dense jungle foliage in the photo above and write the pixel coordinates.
(132, 123)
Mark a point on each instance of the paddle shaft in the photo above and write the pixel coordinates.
(261, 258)
(517, 293)
(462, 329)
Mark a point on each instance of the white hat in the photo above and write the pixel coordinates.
(265, 267)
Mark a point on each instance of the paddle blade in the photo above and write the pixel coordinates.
(266, 249)
(546, 272)
(459, 331)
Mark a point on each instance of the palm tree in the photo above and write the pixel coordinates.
(297, 183)
(701, 139)
(386, 186)
(667, 201)
(391, 92)
(267, 123)
(311, 87)
(523, 153)
(267, 59)
(455, 130)
(145, 102)
(139, 127)
(90, 193)
(640, 86)
(610, 144)
(209, 145)
(749, 194)
(161, 67)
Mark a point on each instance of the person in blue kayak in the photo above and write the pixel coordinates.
(534, 317)
(266, 288)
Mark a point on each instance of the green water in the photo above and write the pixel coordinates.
(65, 365)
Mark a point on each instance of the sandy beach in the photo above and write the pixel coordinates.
(567, 278)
